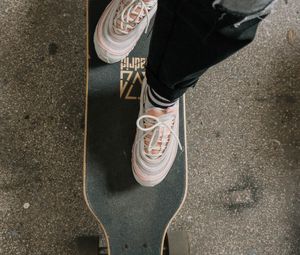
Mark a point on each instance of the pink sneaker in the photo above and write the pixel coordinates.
(120, 27)
(156, 142)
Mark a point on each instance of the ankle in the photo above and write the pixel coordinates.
(153, 99)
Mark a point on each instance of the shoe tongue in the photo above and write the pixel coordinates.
(135, 10)
(156, 112)
(131, 16)
(164, 116)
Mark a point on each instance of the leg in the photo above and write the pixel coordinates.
(191, 36)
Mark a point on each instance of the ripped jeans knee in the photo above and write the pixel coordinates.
(245, 9)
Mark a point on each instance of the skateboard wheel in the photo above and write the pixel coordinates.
(90, 245)
(178, 243)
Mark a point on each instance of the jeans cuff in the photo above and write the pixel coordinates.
(162, 89)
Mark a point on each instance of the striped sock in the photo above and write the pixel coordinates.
(154, 99)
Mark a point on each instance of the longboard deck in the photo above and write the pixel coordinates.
(134, 219)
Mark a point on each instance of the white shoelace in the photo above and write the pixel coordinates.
(124, 23)
(155, 136)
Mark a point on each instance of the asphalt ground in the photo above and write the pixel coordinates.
(243, 122)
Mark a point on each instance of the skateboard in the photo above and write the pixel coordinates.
(133, 219)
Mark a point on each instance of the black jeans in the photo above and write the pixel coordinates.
(189, 36)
